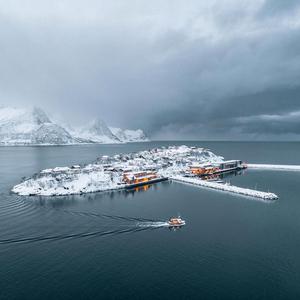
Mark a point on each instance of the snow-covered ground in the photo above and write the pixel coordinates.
(33, 127)
(106, 173)
(274, 167)
(225, 187)
(68, 181)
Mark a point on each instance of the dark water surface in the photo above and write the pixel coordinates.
(99, 246)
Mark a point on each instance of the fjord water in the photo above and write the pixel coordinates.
(106, 245)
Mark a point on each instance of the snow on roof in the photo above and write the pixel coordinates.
(200, 165)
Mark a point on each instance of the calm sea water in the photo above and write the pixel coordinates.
(96, 246)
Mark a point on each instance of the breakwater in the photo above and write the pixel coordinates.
(225, 187)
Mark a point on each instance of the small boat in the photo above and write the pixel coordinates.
(176, 222)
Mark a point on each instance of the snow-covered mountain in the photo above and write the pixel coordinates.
(128, 136)
(96, 132)
(33, 127)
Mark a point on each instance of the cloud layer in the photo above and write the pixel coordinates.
(180, 70)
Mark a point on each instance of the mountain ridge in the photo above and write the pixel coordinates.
(19, 126)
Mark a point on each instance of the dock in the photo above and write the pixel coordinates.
(274, 167)
(224, 187)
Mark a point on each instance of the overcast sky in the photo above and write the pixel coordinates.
(226, 69)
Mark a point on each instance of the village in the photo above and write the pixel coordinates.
(204, 171)
(191, 165)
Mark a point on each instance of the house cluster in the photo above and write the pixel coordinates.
(154, 165)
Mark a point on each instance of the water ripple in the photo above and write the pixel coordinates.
(72, 236)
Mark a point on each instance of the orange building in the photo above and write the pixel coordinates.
(139, 177)
(203, 169)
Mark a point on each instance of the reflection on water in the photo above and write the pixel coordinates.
(142, 188)
(223, 176)
(145, 188)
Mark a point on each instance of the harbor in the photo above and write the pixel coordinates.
(189, 165)
(201, 175)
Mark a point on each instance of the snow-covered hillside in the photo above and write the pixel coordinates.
(33, 127)
(127, 135)
(27, 127)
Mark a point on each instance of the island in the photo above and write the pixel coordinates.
(190, 165)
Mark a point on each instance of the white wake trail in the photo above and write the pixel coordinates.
(153, 224)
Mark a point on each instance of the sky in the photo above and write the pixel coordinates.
(194, 69)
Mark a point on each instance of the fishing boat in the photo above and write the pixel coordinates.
(176, 222)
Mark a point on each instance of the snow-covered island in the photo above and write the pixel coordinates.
(106, 173)
(111, 173)
(22, 127)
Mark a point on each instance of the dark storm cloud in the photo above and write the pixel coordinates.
(273, 7)
(274, 124)
(245, 77)
(178, 70)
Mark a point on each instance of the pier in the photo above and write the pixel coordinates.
(274, 167)
(225, 187)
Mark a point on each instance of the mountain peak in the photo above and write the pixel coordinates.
(98, 125)
(129, 135)
(98, 131)
(40, 116)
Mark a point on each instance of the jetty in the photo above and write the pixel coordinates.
(274, 167)
(224, 187)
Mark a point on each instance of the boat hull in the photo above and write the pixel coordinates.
(177, 225)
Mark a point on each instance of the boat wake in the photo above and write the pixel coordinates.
(153, 224)
(131, 225)
(61, 237)
(113, 217)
